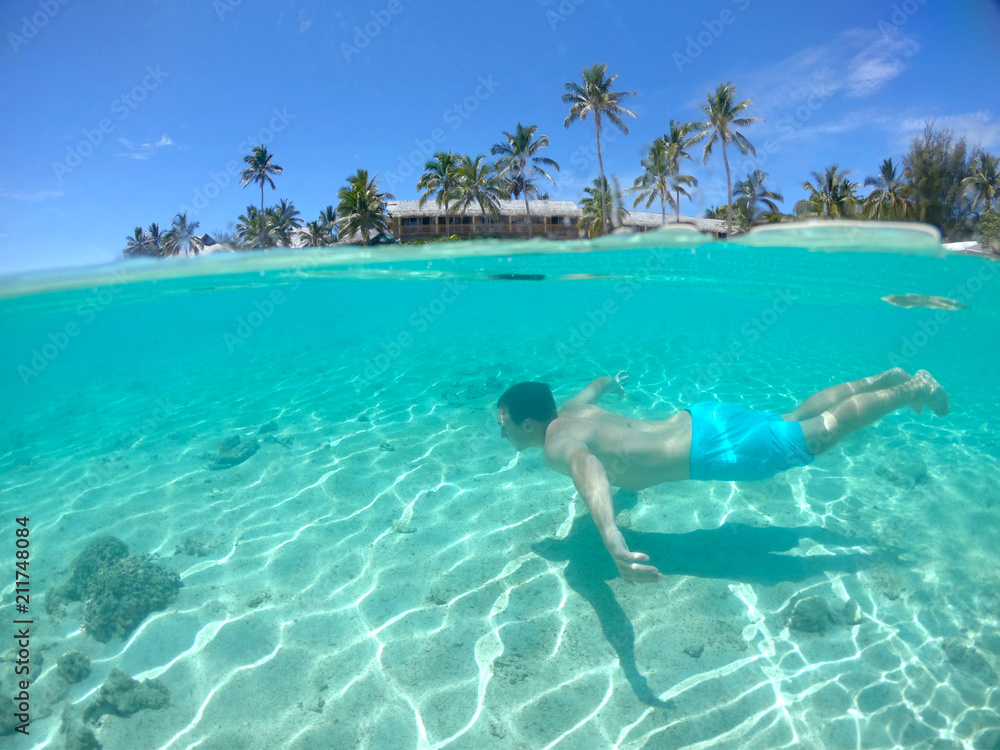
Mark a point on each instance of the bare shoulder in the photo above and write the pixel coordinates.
(573, 412)
(564, 437)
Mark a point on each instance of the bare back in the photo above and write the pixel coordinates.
(635, 453)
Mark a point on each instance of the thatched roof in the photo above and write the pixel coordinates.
(547, 208)
(651, 220)
(507, 208)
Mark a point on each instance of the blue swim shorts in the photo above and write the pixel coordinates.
(736, 444)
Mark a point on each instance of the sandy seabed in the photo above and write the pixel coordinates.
(384, 571)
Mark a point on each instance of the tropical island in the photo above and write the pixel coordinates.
(939, 181)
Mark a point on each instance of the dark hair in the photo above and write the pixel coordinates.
(529, 400)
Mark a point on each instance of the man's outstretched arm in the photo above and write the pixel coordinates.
(591, 481)
(593, 392)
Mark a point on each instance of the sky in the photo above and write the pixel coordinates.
(130, 112)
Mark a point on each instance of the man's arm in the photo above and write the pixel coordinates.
(593, 392)
(591, 481)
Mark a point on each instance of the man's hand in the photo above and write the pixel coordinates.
(629, 562)
(620, 379)
(632, 571)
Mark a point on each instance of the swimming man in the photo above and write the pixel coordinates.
(709, 440)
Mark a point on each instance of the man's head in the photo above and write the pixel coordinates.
(524, 411)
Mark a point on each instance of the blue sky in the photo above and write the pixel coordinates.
(127, 113)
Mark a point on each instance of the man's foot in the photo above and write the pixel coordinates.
(933, 394)
(889, 378)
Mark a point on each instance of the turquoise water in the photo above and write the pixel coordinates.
(385, 571)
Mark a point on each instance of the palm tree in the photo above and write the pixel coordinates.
(983, 183)
(722, 116)
(676, 141)
(751, 192)
(889, 198)
(181, 236)
(593, 213)
(285, 218)
(479, 183)
(362, 206)
(832, 195)
(520, 165)
(155, 239)
(595, 95)
(328, 220)
(439, 181)
(255, 229)
(652, 183)
(136, 244)
(259, 169)
(316, 235)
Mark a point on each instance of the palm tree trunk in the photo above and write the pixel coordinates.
(677, 207)
(663, 209)
(729, 185)
(600, 163)
(262, 197)
(527, 210)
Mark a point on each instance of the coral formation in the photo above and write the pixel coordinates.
(120, 695)
(810, 615)
(118, 590)
(193, 545)
(923, 300)
(255, 600)
(234, 451)
(851, 614)
(74, 666)
(78, 737)
(7, 720)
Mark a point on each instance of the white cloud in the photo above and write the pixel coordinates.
(142, 151)
(978, 128)
(868, 75)
(872, 60)
(879, 60)
(30, 196)
(304, 22)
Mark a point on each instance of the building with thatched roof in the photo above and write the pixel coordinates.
(551, 219)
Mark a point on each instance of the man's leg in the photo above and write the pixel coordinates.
(830, 397)
(824, 431)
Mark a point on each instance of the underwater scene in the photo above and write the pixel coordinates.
(264, 500)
